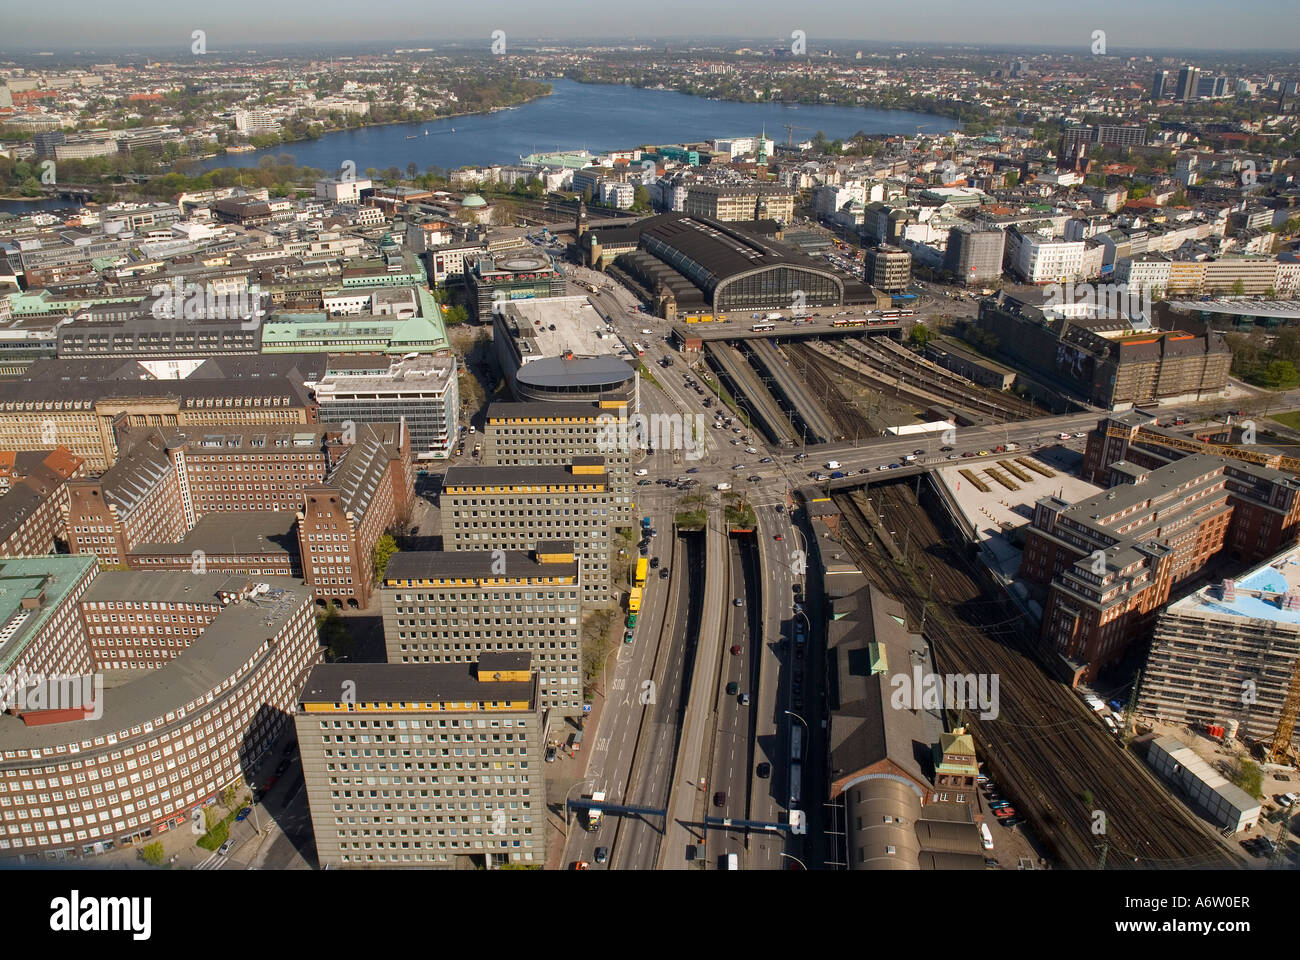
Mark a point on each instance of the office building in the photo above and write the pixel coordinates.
(181, 683)
(518, 508)
(457, 606)
(1188, 80)
(740, 201)
(423, 391)
(552, 433)
(888, 268)
(500, 279)
(973, 256)
(424, 764)
(561, 349)
(1110, 562)
(1159, 84)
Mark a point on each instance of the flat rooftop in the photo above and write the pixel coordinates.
(497, 565)
(555, 326)
(26, 577)
(1257, 595)
(217, 653)
(220, 534)
(411, 683)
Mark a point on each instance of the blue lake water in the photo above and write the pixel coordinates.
(596, 117)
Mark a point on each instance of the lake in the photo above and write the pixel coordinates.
(595, 117)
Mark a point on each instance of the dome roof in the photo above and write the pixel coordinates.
(473, 200)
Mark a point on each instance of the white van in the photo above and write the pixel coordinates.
(832, 464)
(988, 837)
(642, 472)
(723, 486)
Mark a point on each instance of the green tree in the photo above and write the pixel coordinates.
(333, 633)
(384, 549)
(153, 853)
(921, 334)
(1012, 178)
(1239, 287)
(455, 315)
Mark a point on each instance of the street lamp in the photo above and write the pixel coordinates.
(797, 717)
(577, 783)
(792, 857)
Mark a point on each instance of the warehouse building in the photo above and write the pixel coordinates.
(1201, 787)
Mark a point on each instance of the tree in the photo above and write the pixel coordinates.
(640, 199)
(384, 549)
(1239, 287)
(153, 853)
(1012, 178)
(921, 334)
(228, 796)
(333, 633)
(412, 169)
(452, 316)
(1247, 775)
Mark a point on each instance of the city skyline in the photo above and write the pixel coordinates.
(141, 24)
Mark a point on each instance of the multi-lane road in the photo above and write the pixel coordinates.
(690, 742)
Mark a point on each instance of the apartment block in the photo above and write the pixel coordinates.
(740, 202)
(518, 508)
(1227, 638)
(423, 391)
(455, 606)
(468, 781)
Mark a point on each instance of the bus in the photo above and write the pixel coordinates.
(796, 743)
(642, 569)
(796, 781)
(763, 327)
(640, 350)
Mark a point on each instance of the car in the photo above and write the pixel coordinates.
(734, 441)
(580, 865)
(952, 456)
(821, 477)
(764, 770)
(733, 688)
(627, 636)
(720, 798)
(602, 854)
(739, 601)
(751, 450)
(998, 804)
(984, 453)
(654, 563)
(643, 548)
(226, 847)
(550, 754)
(1081, 436)
(838, 475)
(918, 452)
(883, 466)
(1004, 812)
(663, 573)
(894, 466)
(778, 538)
(755, 478)
(864, 470)
(641, 472)
(644, 483)
(945, 449)
(693, 470)
(243, 814)
(1286, 799)
(800, 456)
(744, 699)
(764, 460)
(1062, 436)
(1011, 821)
(968, 454)
(739, 466)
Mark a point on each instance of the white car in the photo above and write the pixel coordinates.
(642, 472)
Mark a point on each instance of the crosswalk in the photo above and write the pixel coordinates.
(214, 861)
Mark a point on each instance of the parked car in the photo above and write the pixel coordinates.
(1011, 821)
(1003, 812)
(243, 814)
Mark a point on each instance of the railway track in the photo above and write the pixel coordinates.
(1088, 798)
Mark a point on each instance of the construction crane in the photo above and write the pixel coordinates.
(1281, 748)
(789, 132)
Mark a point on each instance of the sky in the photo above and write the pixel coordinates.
(1129, 25)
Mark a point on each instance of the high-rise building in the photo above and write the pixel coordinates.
(975, 256)
(1226, 638)
(423, 391)
(456, 606)
(518, 508)
(1159, 84)
(552, 433)
(888, 268)
(418, 765)
(1188, 79)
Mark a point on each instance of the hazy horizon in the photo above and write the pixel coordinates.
(238, 25)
